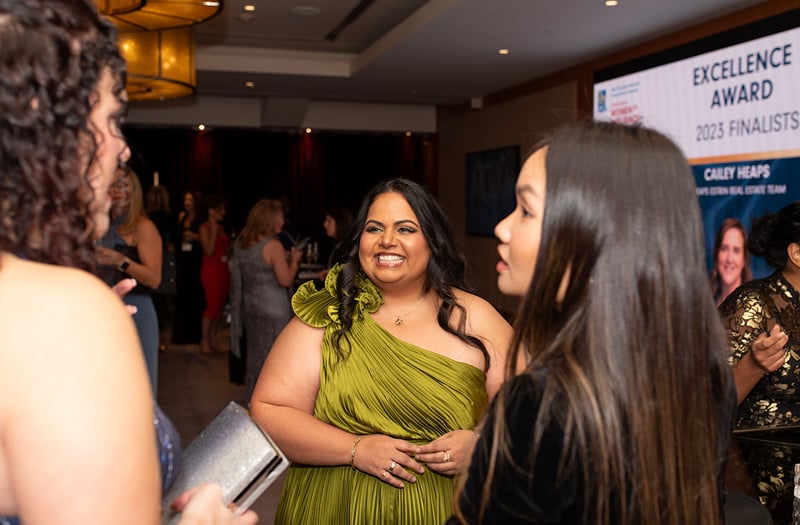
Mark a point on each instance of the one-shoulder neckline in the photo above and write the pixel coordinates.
(421, 349)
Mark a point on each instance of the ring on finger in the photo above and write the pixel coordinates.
(392, 466)
(384, 474)
(445, 456)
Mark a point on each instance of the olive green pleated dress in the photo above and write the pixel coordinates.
(386, 386)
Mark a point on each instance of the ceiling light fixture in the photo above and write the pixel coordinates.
(611, 3)
(157, 41)
(249, 8)
(165, 14)
(201, 127)
(308, 130)
(160, 63)
(250, 84)
(113, 7)
(503, 51)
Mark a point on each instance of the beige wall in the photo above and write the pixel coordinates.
(520, 121)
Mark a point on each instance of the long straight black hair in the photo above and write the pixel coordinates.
(634, 353)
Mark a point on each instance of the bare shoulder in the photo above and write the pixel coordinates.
(480, 312)
(47, 284)
(485, 322)
(44, 304)
(273, 245)
(145, 226)
(70, 359)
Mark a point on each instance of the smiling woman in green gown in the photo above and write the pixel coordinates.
(373, 390)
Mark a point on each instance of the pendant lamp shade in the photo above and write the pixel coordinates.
(113, 7)
(160, 63)
(166, 14)
(156, 39)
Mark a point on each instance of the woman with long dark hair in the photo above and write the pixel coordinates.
(189, 298)
(386, 368)
(623, 413)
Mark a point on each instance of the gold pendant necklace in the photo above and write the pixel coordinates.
(398, 320)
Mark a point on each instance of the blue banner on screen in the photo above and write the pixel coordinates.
(744, 190)
(733, 107)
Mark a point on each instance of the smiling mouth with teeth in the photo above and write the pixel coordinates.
(390, 259)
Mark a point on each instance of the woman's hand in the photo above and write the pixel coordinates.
(203, 505)
(107, 256)
(122, 288)
(295, 255)
(388, 459)
(450, 453)
(767, 351)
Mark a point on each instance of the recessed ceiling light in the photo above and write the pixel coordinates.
(308, 130)
(408, 133)
(305, 10)
(201, 127)
(611, 3)
(503, 51)
(249, 8)
(250, 84)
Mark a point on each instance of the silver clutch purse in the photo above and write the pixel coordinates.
(232, 451)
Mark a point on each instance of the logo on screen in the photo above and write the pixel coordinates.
(601, 101)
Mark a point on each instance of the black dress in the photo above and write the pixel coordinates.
(549, 497)
(189, 298)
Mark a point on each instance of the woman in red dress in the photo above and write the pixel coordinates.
(214, 272)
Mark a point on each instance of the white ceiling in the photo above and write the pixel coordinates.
(441, 52)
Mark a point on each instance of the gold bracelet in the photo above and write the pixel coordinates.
(353, 452)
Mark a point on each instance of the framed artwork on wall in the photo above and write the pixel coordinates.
(491, 175)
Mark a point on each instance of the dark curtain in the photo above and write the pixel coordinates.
(311, 172)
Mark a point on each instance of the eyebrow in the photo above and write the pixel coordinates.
(527, 188)
(396, 223)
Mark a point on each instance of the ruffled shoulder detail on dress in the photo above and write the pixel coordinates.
(320, 308)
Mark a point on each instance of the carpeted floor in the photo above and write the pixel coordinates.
(192, 389)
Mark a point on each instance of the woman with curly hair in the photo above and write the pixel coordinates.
(762, 321)
(77, 438)
(384, 370)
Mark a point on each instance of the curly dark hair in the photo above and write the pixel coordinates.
(52, 54)
(446, 269)
(772, 234)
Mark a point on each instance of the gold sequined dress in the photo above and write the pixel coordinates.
(383, 386)
(753, 309)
